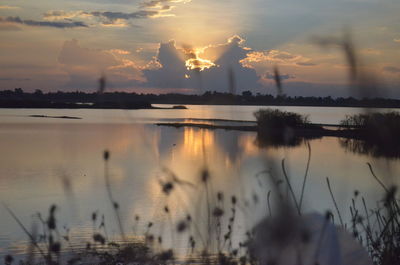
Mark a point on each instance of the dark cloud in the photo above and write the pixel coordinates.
(166, 8)
(113, 16)
(108, 18)
(154, 3)
(222, 71)
(271, 76)
(171, 71)
(36, 23)
(148, 9)
(306, 64)
(229, 69)
(392, 69)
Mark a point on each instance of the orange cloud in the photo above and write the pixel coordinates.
(54, 15)
(84, 66)
(119, 51)
(275, 57)
(9, 7)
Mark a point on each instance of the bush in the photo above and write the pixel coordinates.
(389, 120)
(377, 133)
(277, 128)
(276, 119)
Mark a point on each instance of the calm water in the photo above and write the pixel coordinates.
(58, 161)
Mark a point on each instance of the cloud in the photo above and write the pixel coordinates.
(282, 56)
(162, 3)
(113, 16)
(306, 63)
(119, 51)
(271, 76)
(107, 18)
(392, 69)
(9, 7)
(216, 68)
(148, 9)
(171, 69)
(84, 66)
(118, 23)
(276, 57)
(53, 15)
(36, 23)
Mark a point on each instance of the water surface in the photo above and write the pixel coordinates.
(48, 161)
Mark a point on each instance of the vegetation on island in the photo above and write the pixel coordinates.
(376, 134)
(282, 128)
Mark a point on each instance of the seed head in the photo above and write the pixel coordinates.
(106, 155)
(218, 212)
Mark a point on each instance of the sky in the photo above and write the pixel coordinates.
(193, 46)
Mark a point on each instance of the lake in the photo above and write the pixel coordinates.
(49, 161)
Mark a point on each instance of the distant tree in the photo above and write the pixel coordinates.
(247, 93)
(38, 92)
(18, 91)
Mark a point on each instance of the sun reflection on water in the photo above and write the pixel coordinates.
(197, 141)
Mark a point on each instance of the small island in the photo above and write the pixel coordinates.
(56, 117)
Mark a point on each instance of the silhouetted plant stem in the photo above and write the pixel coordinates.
(305, 175)
(268, 203)
(290, 186)
(31, 237)
(334, 202)
(110, 196)
(377, 179)
(208, 216)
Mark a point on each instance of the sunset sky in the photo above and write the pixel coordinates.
(190, 46)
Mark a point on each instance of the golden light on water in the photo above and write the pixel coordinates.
(195, 141)
(247, 143)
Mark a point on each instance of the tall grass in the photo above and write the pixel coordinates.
(378, 228)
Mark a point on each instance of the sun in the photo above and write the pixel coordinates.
(198, 64)
(194, 62)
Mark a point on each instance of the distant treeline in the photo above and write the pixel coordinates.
(18, 98)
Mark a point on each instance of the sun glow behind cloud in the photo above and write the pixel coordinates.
(198, 64)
